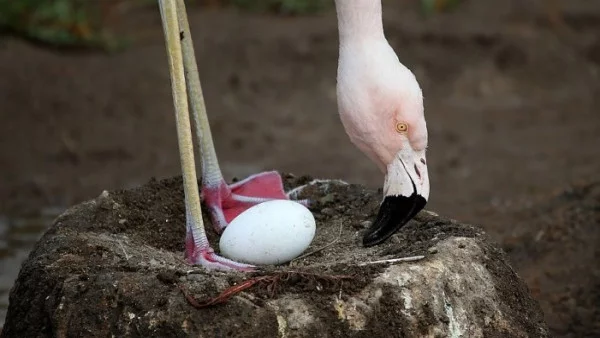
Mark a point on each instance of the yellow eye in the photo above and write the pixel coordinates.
(401, 127)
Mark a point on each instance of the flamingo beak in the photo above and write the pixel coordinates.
(406, 191)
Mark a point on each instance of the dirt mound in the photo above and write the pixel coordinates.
(115, 265)
(555, 249)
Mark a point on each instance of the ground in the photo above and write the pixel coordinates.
(100, 258)
(511, 104)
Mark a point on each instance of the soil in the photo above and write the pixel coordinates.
(121, 245)
(567, 285)
(511, 99)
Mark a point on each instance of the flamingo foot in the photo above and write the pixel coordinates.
(226, 202)
(204, 255)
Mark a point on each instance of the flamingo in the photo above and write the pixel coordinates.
(380, 105)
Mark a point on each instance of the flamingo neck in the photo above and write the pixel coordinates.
(359, 20)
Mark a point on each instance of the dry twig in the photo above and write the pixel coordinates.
(337, 239)
(394, 260)
(271, 283)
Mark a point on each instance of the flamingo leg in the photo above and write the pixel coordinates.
(198, 249)
(225, 201)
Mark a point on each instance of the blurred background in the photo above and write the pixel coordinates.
(511, 94)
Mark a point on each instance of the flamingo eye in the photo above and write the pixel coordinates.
(401, 127)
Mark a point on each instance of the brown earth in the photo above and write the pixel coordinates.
(102, 258)
(511, 105)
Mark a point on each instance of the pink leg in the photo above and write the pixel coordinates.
(225, 202)
(198, 251)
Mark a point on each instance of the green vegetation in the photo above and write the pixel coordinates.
(292, 7)
(430, 7)
(57, 22)
(82, 23)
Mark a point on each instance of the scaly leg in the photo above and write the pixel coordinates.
(198, 249)
(225, 201)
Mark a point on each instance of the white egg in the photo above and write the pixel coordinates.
(272, 232)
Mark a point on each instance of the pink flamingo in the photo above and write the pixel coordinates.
(380, 105)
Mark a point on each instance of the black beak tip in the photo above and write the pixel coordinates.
(394, 213)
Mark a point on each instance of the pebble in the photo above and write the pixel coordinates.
(340, 208)
(328, 211)
(195, 277)
(329, 198)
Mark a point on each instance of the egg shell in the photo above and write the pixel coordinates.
(272, 232)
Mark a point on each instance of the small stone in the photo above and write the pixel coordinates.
(328, 211)
(122, 221)
(329, 198)
(195, 277)
(366, 224)
(167, 277)
(432, 250)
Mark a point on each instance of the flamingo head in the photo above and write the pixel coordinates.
(381, 107)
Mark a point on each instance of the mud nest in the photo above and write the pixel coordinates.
(115, 265)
